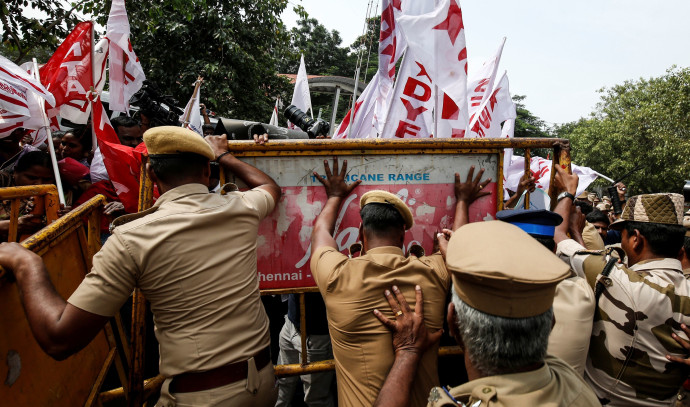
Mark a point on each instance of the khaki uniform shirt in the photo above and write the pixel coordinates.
(638, 310)
(362, 346)
(194, 258)
(573, 309)
(554, 384)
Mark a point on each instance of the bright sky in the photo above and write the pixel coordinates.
(557, 53)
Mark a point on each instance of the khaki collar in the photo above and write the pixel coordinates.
(656, 264)
(181, 192)
(386, 250)
(514, 383)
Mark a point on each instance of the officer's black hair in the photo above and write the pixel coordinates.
(597, 216)
(171, 168)
(547, 242)
(382, 220)
(585, 207)
(664, 240)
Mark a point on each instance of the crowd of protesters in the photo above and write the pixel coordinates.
(577, 306)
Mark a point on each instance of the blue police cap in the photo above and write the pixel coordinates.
(536, 222)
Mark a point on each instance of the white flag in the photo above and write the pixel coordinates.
(481, 83)
(274, 115)
(191, 118)
(300, 96)
(363, 124)
(126, 74)
(437, 40)
(541, 171)
(495, 109)
(412, 102)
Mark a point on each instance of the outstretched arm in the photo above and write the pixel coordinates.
(410, 340)
(336, 190)
(252, 176)
(564, 182)
(61, 329)
(527, 183)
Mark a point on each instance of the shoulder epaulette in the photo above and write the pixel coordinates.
(119, 221)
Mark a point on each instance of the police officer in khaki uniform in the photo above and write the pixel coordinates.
(193, 255)
(352, 287)
(501, 314)
(640, 306)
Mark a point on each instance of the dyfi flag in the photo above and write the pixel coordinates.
(300, 96)
(437, 40)
(126, 74)
(481, 82)
(21, 99)
(123, 163)
(274, 115)
(363, 124)
(541, 171)
(191, 118)
(410, 110)
(68, 75)
(497, 108)
(391, 47)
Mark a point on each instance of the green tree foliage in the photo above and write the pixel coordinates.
(233, 45)
(529, 125)
(643, 122)
(25, 36)
(368, 46)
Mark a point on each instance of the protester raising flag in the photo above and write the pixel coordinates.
(495, 109)
(21, 99)
(191, 118)
(126, 74)
(300, 96)
(123, 163)
(437, 41)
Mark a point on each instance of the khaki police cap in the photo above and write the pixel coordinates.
(500, 270)
(165, 140)
(664, 208)
(385, 197)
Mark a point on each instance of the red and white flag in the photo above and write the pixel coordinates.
(126, 74)
(363, 124)
(495, 109)
(541, 171)
(191, 118)
(412, 102)
(68, 74)
(123, 163)
(437, 40)
(300, 96)
(21, 99)
(481, 82)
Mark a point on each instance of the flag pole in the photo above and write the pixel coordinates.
(395, 87)
(94, 140)
(51, 147)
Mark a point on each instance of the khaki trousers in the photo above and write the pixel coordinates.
(258, 390)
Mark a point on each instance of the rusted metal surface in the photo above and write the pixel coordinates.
(303, 328)
(26, 191)
(297, 370)
(13, 234)
(561, 156)
(40, 380)
(278, 291)
(397, 146)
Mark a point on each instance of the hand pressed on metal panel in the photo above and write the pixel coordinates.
(13, 254)
(472, 189)
(335, 182)
(685, 344)
(409, 330)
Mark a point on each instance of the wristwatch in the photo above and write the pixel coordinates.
(565, 194)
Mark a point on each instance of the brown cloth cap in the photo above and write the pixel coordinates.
(665, 208)
(517, 281)
(165, 140)
(385, 197)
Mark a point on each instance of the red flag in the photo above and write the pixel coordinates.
(68, 75)
(123, 163)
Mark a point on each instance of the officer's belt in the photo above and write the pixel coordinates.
(220, 376)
